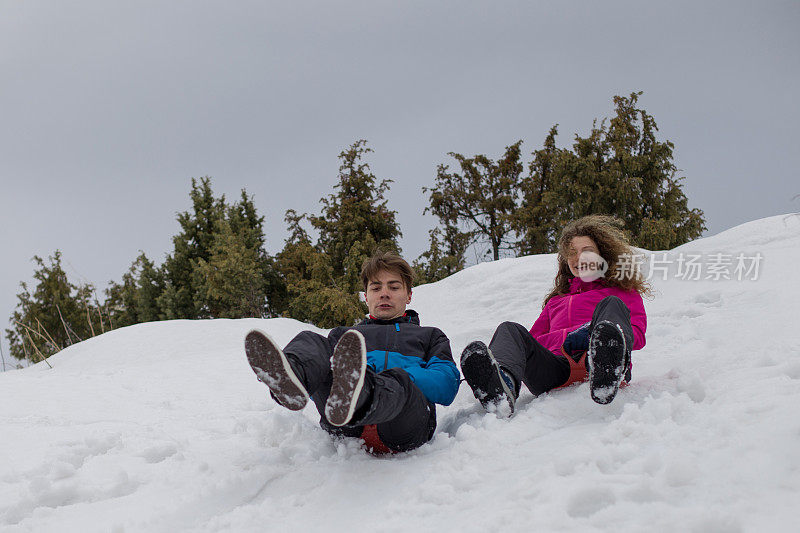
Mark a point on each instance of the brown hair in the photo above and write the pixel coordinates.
(386, 261)
(606, 231)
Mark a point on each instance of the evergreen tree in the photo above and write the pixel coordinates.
(654, 206)
(311, 292)
(219, 267)
(231, 282)
(245, 222)
(53, 316)
(445, 255)
(619, 169)
(322, 280)
(356, 212)
(534, 220)
(121, 298)
(135, 300)
(483, 197)
(180, 298)
(150, 287)
(293, 263)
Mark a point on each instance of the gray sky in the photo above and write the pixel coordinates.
(107, 109)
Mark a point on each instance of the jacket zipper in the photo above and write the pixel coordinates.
(569, 310)
(564, 331)
(386, 355)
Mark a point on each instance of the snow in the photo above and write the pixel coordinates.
(163, 426)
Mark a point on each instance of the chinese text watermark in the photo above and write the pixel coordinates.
(691, 266)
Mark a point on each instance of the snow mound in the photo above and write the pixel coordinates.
(163, 426)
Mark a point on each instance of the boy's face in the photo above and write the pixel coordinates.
(387, 296)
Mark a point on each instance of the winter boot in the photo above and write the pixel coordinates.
(348, 367)
(273, 369)
(608, 358)
(490, 384)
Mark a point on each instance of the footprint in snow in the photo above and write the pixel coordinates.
(709, 299)
(590, 501)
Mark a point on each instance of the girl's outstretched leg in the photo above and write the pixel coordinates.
(610, 343)
(491, 385)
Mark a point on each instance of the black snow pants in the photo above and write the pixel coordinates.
(389, 402)
(541, 370)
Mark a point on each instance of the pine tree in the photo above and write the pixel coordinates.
(292, 263)
(445, 255)
(534, 219)
(53, 316)
(231, 283)
(150, 287)
(219, 267)
(322, 280)
(180, 298)
(135, 300)
(483, 197)
(356, 212)
(311, 293)
(245, 222)
(619, 169)
(121, 298)
(656, 212)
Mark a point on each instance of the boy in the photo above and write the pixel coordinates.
(378, 380)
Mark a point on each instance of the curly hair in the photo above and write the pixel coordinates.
(612, 243)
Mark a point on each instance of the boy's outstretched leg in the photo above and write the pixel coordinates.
(273, 369)
(391, 413)
(490, 385)
(348, 367)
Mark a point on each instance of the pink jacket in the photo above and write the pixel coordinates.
(567, 312)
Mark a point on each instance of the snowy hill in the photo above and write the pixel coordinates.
(163, 427)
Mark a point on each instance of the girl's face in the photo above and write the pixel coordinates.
(576, 246)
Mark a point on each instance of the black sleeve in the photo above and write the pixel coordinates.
(335, 334)
(439, 346)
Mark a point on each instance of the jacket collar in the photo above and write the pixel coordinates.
(577, 285)
(410, 316)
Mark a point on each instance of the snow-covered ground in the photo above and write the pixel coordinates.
(163, 426)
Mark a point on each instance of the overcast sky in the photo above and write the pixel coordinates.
(108, 109)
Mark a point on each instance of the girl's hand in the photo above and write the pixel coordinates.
(577, 342)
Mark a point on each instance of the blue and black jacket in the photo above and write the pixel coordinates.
(422, 351)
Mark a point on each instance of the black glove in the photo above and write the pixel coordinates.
(577, 342)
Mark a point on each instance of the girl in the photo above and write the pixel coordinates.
(590, 322)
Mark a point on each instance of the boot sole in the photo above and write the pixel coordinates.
(348, 366)
(482, 373)
(606, 359)
(273, 369)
